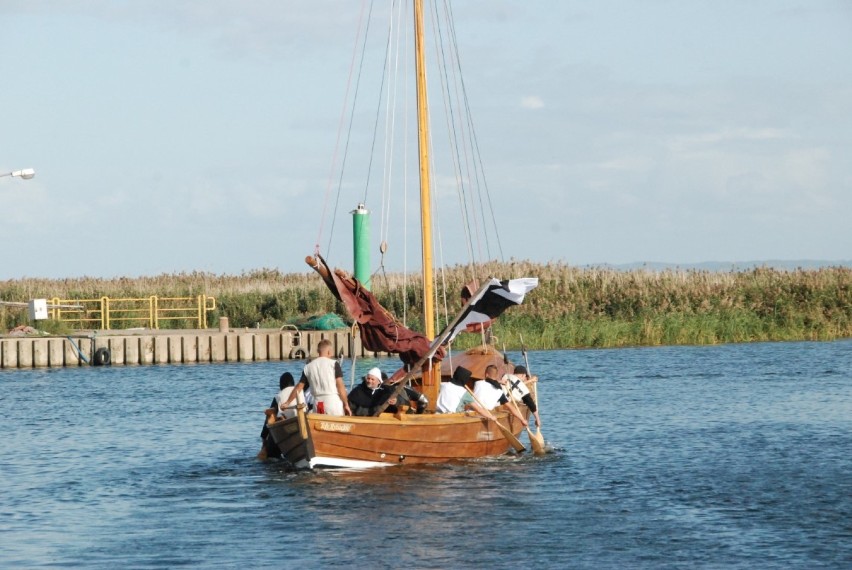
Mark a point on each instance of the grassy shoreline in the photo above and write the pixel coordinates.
(571, 308)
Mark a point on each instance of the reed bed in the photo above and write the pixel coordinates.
(572, 307)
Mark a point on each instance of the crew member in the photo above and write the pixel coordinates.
(325, 378)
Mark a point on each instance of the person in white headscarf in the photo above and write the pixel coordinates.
(366, 397)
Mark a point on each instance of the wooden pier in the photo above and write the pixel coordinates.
(141, 347)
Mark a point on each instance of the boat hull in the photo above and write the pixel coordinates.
(316, 440)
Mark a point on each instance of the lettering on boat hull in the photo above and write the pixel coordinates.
(485, 435)
(333, 426)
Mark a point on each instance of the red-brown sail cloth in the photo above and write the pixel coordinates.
(380, 332)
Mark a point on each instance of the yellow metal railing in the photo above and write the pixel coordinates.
(150, 312)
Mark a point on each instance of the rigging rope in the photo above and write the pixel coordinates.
(390, 129)
(339, 132)
(464, 154)
(378, 109)
(450, 119)
(475, 141)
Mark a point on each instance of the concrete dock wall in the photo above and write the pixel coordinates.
(174, 347)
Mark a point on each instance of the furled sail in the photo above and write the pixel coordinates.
(380, 331)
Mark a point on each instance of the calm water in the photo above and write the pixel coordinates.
(728, 456)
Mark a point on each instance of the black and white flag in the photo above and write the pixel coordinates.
(489, 303)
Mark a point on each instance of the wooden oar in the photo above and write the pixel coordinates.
(507, 433)
(270, 419)
(536, 441)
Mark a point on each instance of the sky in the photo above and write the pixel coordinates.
(179, 136)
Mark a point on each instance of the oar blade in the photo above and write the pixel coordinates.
(513, 441)
(537, 442)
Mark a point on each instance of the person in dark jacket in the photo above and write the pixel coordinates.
(409, 396)
(366, 397)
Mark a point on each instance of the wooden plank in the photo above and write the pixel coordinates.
(415, 439)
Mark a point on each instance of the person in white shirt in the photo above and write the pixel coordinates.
(287, 384)
(325, 378)
(516, 388)
(269, 449)
(454, 398)
(489, 392)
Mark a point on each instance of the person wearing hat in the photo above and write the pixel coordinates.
(366, 397)
(516, 388)
(453, 398)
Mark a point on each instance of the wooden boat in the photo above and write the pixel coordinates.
(316, 440)
(311, 440)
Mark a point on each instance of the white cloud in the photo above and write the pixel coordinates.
(688, 142)
(808, 167)
(627, 163)
(532, 102)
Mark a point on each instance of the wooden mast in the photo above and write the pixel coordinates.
(431, 381)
